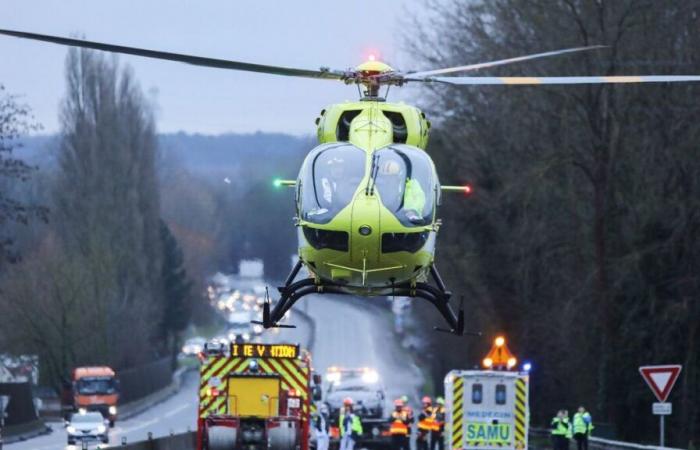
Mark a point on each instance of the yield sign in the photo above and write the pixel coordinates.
(660, 379)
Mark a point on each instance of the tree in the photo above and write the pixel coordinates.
(580, 240)
(107, 205)
(15, 121)
(176, 291)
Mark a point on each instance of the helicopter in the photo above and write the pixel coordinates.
(367, 196)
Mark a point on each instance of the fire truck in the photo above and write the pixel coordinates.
(255, 397)
(488, 409)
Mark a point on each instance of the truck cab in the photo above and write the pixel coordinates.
(96, 389)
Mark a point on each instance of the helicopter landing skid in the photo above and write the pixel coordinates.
(292, 291)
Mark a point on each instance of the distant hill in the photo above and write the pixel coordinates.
(229, 154)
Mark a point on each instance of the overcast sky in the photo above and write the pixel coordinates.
(298, 33)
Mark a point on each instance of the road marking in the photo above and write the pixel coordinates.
(145, 424)
(176, 410)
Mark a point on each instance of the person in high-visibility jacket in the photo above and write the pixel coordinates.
(583, 425)
(426, 424)
(399, 426)
(350, 426)
(407, 407)
(560, 430)
(414, 200)
(436, 440)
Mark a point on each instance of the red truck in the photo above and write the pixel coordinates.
(255, 397)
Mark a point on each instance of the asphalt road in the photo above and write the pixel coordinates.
(349, 332)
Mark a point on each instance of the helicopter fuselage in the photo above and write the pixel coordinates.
(366, 198)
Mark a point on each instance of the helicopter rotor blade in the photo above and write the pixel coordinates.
(533, 81)
(323, 73)
(502, 62)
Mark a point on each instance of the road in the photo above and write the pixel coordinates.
(348, 332)
(177, 413)
(356, 332)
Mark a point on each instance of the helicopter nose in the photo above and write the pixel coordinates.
(365, 236)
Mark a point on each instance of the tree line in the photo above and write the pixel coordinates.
(106, 243)
(580, 240)
(99, 278)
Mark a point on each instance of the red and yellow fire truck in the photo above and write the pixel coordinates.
(255, 397)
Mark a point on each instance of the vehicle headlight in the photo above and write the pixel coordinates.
(112, 409)
(70, 429)
(370, 376)
(101, 428)
(375, 431)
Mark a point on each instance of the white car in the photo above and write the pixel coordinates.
(87, 426)
(193, 346)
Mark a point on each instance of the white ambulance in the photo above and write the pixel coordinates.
(486, 409)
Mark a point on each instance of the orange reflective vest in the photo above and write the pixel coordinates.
(399, 423)
(426, 420)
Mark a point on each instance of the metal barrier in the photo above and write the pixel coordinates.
(183, 441)
(595, 443)
(140, 381)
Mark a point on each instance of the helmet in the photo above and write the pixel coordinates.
(427, 400)
(440, 401)
(323, 408)
(347, 401)
(398, 402)
(404, 399)
(390, 168)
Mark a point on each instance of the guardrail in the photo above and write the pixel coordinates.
(182, 441)
(595, 443)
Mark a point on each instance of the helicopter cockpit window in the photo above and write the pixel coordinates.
(329, 179)
(405, 182)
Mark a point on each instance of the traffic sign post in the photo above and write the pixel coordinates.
(661, 380)
(661, 409)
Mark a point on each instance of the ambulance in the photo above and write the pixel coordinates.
(486, 409)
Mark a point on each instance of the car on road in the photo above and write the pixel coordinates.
(193, 346)
(362, 385)
(87, 426)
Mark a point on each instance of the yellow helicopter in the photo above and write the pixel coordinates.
(367, 195)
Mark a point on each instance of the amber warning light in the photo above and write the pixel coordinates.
(499, 357)
(265, 350)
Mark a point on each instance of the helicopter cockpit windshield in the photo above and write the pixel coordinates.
(405, 183)
(329, 179)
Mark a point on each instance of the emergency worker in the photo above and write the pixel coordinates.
(559, 429)
(322, 427)
(582, 425)
(407, 408)
(414, 201)
(399, 426)
(350, 426)
(426, 424)
(436, 440)
(408, 192)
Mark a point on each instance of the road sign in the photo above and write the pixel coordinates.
(661, 409)
(660, 379)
